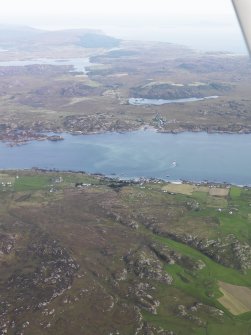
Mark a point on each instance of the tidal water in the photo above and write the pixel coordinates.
(159, 102)
(186, 156)
(77, 64)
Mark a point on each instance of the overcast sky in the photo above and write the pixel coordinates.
(75, 7)
(191, 22)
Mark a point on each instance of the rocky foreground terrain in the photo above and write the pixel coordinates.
(90, 255)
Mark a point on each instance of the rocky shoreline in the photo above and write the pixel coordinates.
(19, 136)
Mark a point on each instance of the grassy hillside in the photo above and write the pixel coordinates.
(89, 255)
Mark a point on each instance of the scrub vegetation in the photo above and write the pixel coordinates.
(91, 255)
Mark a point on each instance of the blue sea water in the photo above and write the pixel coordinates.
(185, 156)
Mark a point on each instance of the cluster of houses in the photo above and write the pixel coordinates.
(6, 184)
(57, 180)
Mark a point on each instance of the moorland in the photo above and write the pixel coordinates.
(91, 255)
(41, 97)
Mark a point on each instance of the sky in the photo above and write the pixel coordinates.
(202, 24)
(111, 7)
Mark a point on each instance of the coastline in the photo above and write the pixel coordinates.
(129, 181)
(18, 136)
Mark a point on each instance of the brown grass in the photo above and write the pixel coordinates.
(237, 299)
(219, 192)
(185, 189)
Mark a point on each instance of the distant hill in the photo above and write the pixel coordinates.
(15, 32)
(93, 40)
(27, 38)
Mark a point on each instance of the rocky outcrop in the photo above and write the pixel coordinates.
(196, 313)
(53, 274)
(57, 268)
(48, 271)
(228, 250)
(148, 268)
(148, 329)
(7, 243)
(97, 124)
(170, 256)
(142, 294)
(120, 275)
(146, 265)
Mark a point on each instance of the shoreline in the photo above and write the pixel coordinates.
(137, 180)
(22, 137)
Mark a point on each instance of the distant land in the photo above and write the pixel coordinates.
(57, 96)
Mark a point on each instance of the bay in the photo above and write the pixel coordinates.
(186, 156)
(78, 64)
